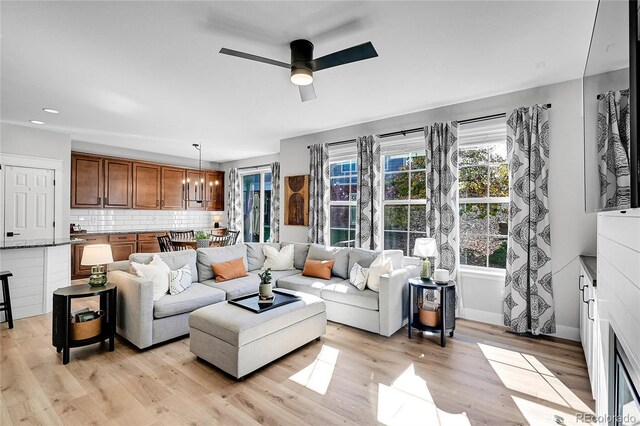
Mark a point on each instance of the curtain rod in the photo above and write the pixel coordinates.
(420, 129)
(254, 167)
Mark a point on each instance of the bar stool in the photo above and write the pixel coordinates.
(5, 305)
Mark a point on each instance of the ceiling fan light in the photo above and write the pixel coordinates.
(301, 76)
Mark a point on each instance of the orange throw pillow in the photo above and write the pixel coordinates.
(318, 268)
(229, 270)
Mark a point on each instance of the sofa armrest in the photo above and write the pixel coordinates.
(393, 298)
(135, 308)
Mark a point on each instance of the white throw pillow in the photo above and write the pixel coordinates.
(380, 266)
(179, 280)
(278, 260)
(358, 276)
(157, 272)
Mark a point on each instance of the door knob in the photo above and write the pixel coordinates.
(12, 234)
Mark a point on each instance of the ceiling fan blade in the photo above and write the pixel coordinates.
(243, 55)
(346, 56)
(307, 93)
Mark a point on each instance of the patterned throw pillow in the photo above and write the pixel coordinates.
(358, 276)
(179, 280)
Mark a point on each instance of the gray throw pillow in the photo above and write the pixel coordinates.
(340, 256)
(362, 257)
(300, 252)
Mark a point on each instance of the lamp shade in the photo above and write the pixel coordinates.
(216, 218)
(96, 254)
(425, 247)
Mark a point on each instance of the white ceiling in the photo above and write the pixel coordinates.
(147, 75)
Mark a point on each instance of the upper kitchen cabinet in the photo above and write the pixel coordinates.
(146, 186)
(86, 181)
(215, 190)
(118, 184)
(173, 188)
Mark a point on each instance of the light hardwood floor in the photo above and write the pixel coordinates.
(483, 376)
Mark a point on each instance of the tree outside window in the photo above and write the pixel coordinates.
(484, 205)
(342, 202)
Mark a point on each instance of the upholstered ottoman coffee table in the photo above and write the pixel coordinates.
(239, 341)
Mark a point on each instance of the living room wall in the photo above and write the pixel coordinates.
(573, 230)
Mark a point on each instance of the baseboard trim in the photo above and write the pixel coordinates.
(562, 331)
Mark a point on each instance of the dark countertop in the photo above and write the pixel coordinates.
(590, 265)
(50, 242)
(136, 231)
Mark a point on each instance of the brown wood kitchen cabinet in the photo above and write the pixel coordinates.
(215, 188)
(146, 186)
(122, 245)
(148, 242)
(86, 181)
(172, 188)
(118, 185)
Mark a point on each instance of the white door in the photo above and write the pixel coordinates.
(28, 201)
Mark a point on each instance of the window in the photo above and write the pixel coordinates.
(404, 203)
(256, 205)
(484, 204)
(342, 204)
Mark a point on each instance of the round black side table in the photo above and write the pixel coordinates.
(61, 331)
(447, 291)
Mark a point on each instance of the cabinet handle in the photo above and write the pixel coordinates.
(157, 203)
(580, 285)
(106, 200)
(589, 309)
(99, 201)
(583, 299)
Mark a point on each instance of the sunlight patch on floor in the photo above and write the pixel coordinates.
(317, 375)
(408, 401)
(538, 414)
(526, 374)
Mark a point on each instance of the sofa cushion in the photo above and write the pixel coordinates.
(396, 256)
(207, 256)
(309, 285)
(174, 259)
(194, 297)
(276, 275)
(339, 254)
(347, 294)
(237, 287)
(362, 257)
(239, 327)
(278, 260)
(255, 254)
(300, 252)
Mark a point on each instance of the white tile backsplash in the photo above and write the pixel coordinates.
(141, 220)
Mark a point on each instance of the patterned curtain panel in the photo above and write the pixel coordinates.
(614, 149)
(275, 203)
(319, 194)
(528, 304)
(234, 206)
(368, 194)
(441, 144)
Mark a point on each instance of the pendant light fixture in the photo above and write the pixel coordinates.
(200, 196)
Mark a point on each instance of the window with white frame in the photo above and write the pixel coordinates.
(342, 202)
(404, 198)
(483, 194)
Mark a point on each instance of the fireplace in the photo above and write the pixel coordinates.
(625, 403)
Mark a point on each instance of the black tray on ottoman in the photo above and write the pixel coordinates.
(251, 301)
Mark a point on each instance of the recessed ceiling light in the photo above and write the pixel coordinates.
(51, 111)
(36, 121)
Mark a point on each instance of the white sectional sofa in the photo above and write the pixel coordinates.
(145, 323)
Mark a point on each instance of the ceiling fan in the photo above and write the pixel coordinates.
(303, 65)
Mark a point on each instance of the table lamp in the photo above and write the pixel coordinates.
(97, 255)
(425, 248)
(216, 221)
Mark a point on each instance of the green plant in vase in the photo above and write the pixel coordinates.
(202, 239)
(265, 289)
